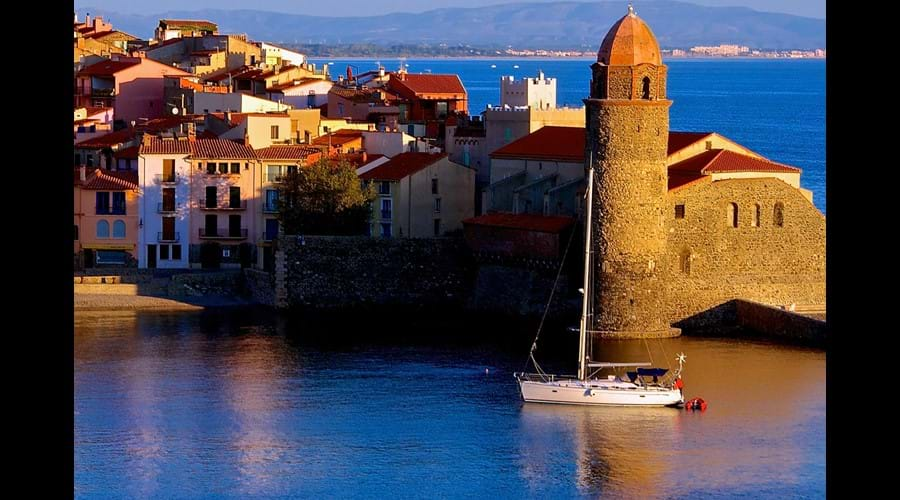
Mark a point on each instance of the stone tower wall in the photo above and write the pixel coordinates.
(626, 142)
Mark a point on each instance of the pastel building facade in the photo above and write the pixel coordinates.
(164, 173)
(106, 217)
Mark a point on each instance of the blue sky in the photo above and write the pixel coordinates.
(809, 8)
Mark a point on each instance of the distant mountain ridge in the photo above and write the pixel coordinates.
(563, 25)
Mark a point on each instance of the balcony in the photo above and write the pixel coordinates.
(222, 234)
(386, 214)
(168, 238)
(101, 210)
(214, 205)
(164, 179)
(164, 208)
(111, 92)
(268, 237)
(270, 208)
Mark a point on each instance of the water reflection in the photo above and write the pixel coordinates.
(619, 451)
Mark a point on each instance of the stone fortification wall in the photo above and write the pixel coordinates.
(337, 272)
(260, 286)
(712, 262)
(780, 324)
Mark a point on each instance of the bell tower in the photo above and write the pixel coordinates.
(627, 127)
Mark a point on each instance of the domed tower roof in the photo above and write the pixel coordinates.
(629, 42)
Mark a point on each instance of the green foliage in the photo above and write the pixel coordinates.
(325, 198)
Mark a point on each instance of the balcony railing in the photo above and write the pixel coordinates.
(164, 208)
(101, 210)
(164, 179)
(168, 238)
(270, 208)
(386, 214)
(222, 234)
(266, 236)
(242, 205)
(103, 92)
(274, 177)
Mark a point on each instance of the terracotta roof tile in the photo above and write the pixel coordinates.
(174, 23)
(430, 84)
(629, 42)
(527, 222)
(338, 137)
(681, 140)
(166, 147)
(106, 140)
(89, 171)
(106, 180)
(402, 165)
(221, 148)
(723, 160)
(107, 68)
(129, 153)
(547, 143)
(286, 152)
(278, 87)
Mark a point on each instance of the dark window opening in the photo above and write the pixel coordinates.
(645, 94)
(176, 252)
(778, 218)
(733, 214)
(679, 211)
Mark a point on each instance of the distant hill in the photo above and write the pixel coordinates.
(564, 25)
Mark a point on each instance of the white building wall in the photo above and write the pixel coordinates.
(150, 169)
(538, 93)
(234, 101)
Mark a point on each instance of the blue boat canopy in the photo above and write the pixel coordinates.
(652, 372)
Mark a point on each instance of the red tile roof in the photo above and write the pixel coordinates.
(430, 84)
(402, 165)
(278, 87)
(723, 160)
(106, 180)
(527, 222)
(567, 144)
(129, 153)
(89, 171)
(681, 140)
(106, 140)
(286, 152)
(221, 148)
(166, 147)
(107, 68)
(85, 121)
(547, 143)
(338, 137)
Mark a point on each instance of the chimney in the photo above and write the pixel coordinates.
(145, 139)
(83, 173)
(87, 19)
(365, 157)
(191, 132)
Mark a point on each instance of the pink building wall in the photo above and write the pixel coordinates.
(140, 90)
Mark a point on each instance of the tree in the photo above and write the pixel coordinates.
(325, 198)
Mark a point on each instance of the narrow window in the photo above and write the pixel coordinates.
(211, 201)
(437, 205)
(384, 187)
(102, 229)
(708, 145)
(733, 214)
(210, 168)
(102, 202)
(755, 221)
(164, 252)
(223, 168)
(645, 93)
(679, 211)
(234, 197)
(235, 168)
(176, 252)
(118, 202)
(437, 227)
(778, 215)
(168, 170)
(76, 232)
(434, 186)
(685, 261)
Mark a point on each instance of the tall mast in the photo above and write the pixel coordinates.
(583, 329)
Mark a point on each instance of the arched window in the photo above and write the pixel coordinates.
(733, 214)
(778, 215)
(645, 93)
(684, 261)
(102, 229)
(119, 229)
(755, 221)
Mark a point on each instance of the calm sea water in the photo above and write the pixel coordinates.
(773, 107)
(249, 404)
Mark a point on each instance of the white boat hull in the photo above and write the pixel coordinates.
(597, 392)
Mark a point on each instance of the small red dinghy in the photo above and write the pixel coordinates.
(695, 404)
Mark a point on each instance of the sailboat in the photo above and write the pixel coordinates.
(644, 386)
